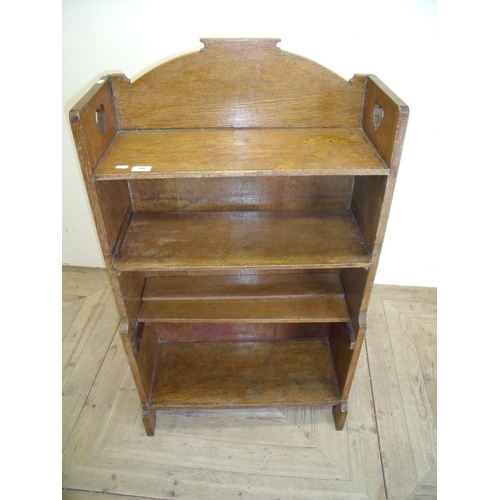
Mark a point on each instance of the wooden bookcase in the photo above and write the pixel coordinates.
(242, 252)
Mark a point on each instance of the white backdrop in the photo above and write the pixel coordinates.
(395, 40)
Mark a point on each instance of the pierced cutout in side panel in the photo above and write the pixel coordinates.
(100, 118)
(378, 115)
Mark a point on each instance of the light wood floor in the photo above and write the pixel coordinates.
(387, 450)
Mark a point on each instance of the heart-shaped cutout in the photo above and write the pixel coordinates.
(378, 115)
(100, 118)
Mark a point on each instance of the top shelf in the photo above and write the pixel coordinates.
(239, 152)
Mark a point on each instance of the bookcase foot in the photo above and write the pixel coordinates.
(340, 414)
(149, 419)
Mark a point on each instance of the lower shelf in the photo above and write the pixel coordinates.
(244, 374)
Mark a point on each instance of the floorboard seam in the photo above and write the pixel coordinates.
(113, 494)
(95, 378)
(376, 423)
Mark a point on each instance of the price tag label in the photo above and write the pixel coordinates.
(141, 168)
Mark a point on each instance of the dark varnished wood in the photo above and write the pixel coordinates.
(254, 298)
(127, 334)
(340, 414)
(243, 286)
(149, 419)
(146, 356)
(388, 138)
(91, 144)
(241, 193)
(215, 332)
(238, 83)
(131, 287)
(291, 239)
(242, 263)
(345, 360)
(246, 152)
(244, 374)
(219, 332)
(367, 202)
(356, 283)
(154, 195)
(340, 344)
(303, 310)
(116, 209)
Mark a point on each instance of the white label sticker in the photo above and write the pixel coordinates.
(141, 169)
(121, 166)
(100, 81)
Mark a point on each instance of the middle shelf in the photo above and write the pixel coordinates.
(299, 239)
(254, 298)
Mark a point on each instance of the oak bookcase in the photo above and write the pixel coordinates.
(241, 195)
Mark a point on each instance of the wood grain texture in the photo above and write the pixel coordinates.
(427, 488)
(388, 137)
(92, 495)
(300, 310)
(131, 286)
(116, 209)
(241, 193)
(91, 142)
(238, 83)
(84, 347)
(404, 407)
(298, 239)
(243, 286)
(342, 354)
(254, 160)
(245, 152)
(368, 196)
(227, 374)
(362, 436)
(146, 356)
(219, 332)
(354, 283)
(418, 403)
(154, 195)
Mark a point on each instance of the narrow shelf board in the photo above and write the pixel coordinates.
(244, 374)
(216, 240)
(240, 152)
(298, 310)
(245, 286)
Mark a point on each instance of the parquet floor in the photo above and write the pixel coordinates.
(387, 450)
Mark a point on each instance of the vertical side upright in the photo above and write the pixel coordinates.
(94, 126)
(385, 118)
(384, 123)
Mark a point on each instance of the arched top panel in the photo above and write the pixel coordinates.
(238, 83)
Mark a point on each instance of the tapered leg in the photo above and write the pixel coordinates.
(340, 414)
(149, 419)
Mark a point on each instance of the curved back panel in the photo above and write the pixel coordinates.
(238, 83)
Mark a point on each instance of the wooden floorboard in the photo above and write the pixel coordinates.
(401, 346)
(387, 449)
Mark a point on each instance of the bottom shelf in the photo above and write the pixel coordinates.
(244, 374)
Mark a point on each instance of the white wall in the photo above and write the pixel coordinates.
(395, 40)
